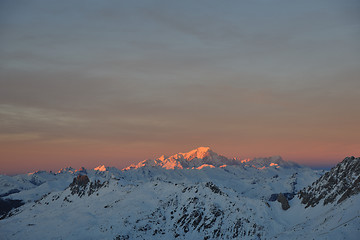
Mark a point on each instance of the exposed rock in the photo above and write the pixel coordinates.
(351, 191)
(6, 205)
(341, 182)
(284, 202)
(94, 186)
(81, 180)
(214, 188)
(196, 215)
(122, 237)
(288, 196)
(79, 184)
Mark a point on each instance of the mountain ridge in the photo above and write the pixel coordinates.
(260, 198)
(205, 157)
(338, 184)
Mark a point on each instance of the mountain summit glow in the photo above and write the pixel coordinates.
(244, 201)
(200, 153)
(204, 157)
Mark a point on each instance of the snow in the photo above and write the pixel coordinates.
(189, 195)
(100, 168)
(200, 152)
(204, 155)
(204, 166)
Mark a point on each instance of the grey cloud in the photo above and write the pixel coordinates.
(150, 72)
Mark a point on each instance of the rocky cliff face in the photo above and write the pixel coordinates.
(79, 184)
(341, 182)
(284, 202)
(80, 187)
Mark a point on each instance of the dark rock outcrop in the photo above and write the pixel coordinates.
(6, 205)
(284, 202)
(341, 182)
(288, 196)
(94, 186)
(214, 188)
(79, 184)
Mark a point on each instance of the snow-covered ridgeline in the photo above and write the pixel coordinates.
(194, 195)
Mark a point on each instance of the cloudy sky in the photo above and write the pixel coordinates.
(84, 83)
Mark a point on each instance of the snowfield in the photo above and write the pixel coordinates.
(194, 195)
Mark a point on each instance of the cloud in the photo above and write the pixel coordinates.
(164, 75)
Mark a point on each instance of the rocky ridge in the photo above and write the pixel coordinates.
(341, 182)
(245, 200)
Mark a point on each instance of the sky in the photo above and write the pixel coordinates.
(84, 83)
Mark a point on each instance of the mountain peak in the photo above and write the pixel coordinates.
(194, 158)
(341, 182)
(200, 153)
(205, 157)
(100, 168)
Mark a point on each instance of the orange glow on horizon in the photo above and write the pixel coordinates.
(28, 157)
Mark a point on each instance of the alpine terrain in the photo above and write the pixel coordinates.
(193, 195)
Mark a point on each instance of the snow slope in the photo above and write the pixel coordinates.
(194, 195)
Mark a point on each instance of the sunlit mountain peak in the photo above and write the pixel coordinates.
(192, 159)
(204, 157)
(199, 153)
(100, 168)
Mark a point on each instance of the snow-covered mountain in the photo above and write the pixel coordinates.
(205, 157)
(193, 195)
(340, 183)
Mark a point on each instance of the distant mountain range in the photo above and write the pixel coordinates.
(205, 157)
(195, 195)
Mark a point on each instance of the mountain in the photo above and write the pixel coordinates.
(195, 195)
(193, 159)
(332, 204)
(205, 157)
(340, 183)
